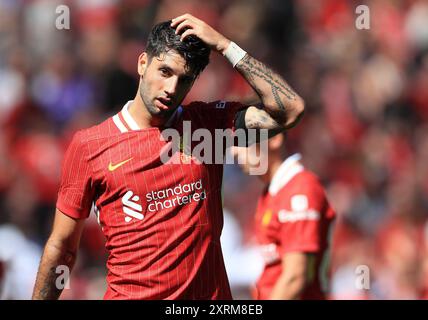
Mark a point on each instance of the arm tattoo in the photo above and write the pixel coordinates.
(47, 286)
(49, 291)
(262, 121)
(257, 119)
(254, 71)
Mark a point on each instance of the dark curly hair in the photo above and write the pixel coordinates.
(195, 52)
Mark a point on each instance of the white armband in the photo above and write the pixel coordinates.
(234, 53)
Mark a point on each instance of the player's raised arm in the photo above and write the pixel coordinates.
(281, 106)
(60, 250)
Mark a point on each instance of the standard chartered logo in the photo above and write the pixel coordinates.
(131, 208)
(162, 199)
(178, 195)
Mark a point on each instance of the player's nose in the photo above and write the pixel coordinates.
(234, 151)
(171, 86)
(238, 153)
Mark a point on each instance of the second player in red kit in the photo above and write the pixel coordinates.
(292, 224)
(293, 215)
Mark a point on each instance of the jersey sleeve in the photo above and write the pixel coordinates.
(217, 114)
(76, 187)
(228, 118)
(302, 218)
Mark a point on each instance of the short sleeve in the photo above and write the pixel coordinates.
(302, 218)
(231, 109)
(215, 115)
(76, 190)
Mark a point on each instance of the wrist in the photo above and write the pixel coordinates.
(223, 45)
(234, 53)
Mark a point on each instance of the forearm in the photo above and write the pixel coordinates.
(279, 99)
(46, 286)
(288, 287)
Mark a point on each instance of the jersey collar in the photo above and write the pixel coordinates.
(286, 171)
(128, 118)
(124, 120)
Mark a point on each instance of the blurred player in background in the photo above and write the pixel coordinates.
(292, 224)
(162, 221)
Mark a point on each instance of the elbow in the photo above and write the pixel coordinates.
(297, 283)
(297, 110)
(300, 282)
(66, 254)
(298, 279)
(289, 286)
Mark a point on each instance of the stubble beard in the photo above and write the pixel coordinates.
(148, 103)
(151, 108)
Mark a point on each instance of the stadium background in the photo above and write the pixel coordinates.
(365, 131)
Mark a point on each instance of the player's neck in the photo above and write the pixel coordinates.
(142, 116)
(273, 168)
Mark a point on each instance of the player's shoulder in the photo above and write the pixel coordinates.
(306, 181)
(200, 104)
(212, 105)
(304, 188)
(307, 176)
(102, 130)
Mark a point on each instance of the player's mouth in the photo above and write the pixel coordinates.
(164, 103)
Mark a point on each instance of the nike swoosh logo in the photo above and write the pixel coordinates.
(112, 167)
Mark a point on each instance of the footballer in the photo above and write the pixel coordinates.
(292, 225)
(162, 221)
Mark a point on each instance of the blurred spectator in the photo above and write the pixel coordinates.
(243, 260)
(19, 258)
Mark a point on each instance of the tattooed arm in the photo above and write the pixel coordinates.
(60, 250)
(281, 107)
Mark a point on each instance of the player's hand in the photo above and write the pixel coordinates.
(187, 24)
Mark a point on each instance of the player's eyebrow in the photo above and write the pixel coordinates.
(166, 67)
(186, 77)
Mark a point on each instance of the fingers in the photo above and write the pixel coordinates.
(183, 17)
(187, 33)
(183, 25)
(186, 25)
(177, 20)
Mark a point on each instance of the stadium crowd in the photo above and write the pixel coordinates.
(365, 130)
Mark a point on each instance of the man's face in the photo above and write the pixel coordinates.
(258, 158)
(250, 159)
(165, 82)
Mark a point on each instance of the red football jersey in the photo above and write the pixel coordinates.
(293, 215)
(162, 221)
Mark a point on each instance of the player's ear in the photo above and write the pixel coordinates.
(276, 142)
(143, 62)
